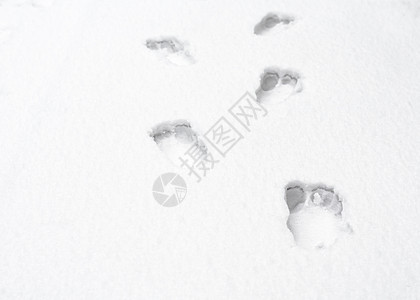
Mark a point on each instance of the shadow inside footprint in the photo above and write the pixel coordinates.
(315, 218)
(172, 45)
(174, 138)
(326, 197)
(278, 84)
(172, 50)
(181, 129)
(270, 21)
(294, 195)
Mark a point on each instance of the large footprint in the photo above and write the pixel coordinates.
(315, 218)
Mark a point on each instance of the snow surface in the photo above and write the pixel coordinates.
(80, 92)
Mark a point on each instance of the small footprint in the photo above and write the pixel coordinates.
(175, 138)
(277, 85)
(171, 49)
(272, 20)
(315, 218)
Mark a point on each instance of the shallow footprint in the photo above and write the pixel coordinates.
(272, 20)
(315, 218)
(278, 85)
(171, 49)
(175, 138)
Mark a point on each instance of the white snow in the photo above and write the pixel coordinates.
(315, 228)
(80, 92)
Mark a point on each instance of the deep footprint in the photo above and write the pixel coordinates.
(175, 138)
(315, 218)
(272, 20)
(171, 49)
(278, 85)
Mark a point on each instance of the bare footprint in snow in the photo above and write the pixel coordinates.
(175, 138)
(273, 21)
(277, 85)
(171, 49)
(315, 218)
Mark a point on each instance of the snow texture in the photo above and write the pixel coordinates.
(79, 91)
(5, 34)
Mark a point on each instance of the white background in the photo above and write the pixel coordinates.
(79, 92)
